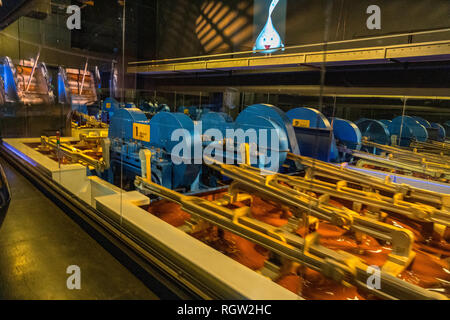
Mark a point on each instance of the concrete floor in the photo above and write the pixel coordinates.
(38, 242)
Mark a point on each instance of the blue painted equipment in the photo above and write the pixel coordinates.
(435, 131)
(150, 108)
(264, 128)
(273, 142)
(314, 134)
(147, 106)
(446, 126)
(109, 107)
(216, 120)
(374, 130)
(387, 123)
(277, 116)
(441, 132)
(410, 130)
(347, 134)
(194, 112)
(422, 121)
(130, 131)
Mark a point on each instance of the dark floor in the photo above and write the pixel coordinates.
(38, 242)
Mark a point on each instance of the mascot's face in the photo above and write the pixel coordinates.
(269, 40)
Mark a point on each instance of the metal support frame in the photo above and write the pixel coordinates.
(339, 266)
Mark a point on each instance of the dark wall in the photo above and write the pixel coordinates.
(230, 26)
(307, 20)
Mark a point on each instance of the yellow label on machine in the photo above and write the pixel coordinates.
(300, 123)
(141, 132)
(108, 105)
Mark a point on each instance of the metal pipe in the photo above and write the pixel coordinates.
(84, 76)
(32, 71)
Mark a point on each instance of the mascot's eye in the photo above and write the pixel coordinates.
(271, 39)
(264, 39)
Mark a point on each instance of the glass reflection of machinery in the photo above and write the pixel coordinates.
(78, 88)
(27, 82)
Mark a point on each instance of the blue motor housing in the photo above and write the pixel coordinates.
(147, 106)
(347, 134)
(109, 107)
(216, 120)
(314, 134)
(170, 138)
(441, 135)
(422, 121)
(277, 116)
(162, 108)
(194, 112)
(446, 126)
(273, 142)
(387, 123)
(410, 130)
(374, 131)
(435, 131)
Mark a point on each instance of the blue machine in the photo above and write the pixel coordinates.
(194, 112)
(130, 131)
(423, 122)
(387, 123)
(264, 127)
(441, 132)
(216, 120)
(109, 107)
(347, 134)
(374, 130)
(150, 108)
(275, 115)
(435, 131)
(446, 126)
(176, 167)
(410, 130)
(314, 134)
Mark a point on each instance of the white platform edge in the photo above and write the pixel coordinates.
(242, 280)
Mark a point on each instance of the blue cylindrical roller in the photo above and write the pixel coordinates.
(311, 118)
(387, 123)
(374, 131)
(446, 126)
(419, 132)
(147, 106)
(109, 107)
(162, 108)
(422, 121)
(216, 120)
(274, 114)
(441, 131)
(121, 125)
(162, 126)
(259, 124)
(347, 133)
(314, 134)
